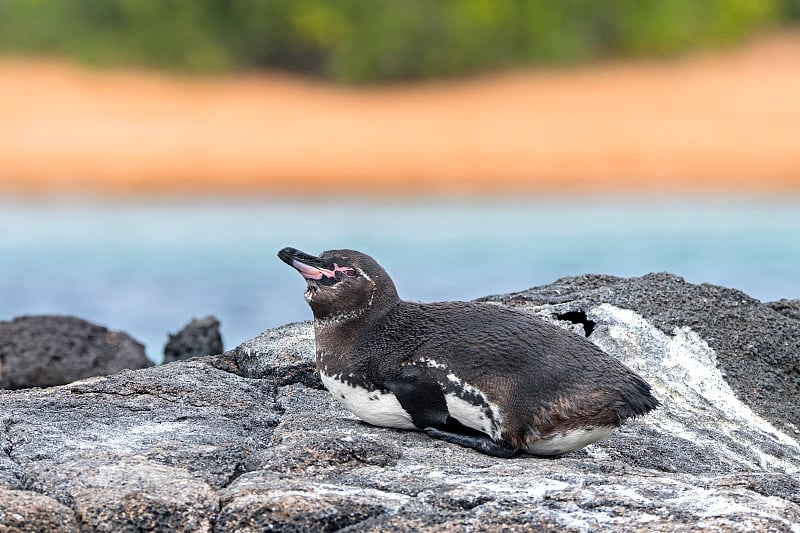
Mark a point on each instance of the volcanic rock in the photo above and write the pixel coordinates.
(43, 351)
(201, 336)
(249, 441)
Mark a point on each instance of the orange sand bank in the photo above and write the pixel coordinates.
(712, 123)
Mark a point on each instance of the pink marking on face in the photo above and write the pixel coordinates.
(337, 268)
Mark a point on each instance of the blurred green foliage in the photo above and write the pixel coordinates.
(376, 40)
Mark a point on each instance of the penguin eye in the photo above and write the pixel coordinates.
(349, 272)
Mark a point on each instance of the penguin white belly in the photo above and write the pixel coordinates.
(372, 406)
(569, 441)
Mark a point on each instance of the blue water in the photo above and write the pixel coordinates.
(149, 267)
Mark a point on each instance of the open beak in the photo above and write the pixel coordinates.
(309, 266)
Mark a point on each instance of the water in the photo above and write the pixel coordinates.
(149, 267)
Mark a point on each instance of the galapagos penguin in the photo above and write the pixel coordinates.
(474, 374)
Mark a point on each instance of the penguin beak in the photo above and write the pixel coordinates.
(309, 266)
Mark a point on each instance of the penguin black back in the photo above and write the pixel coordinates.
(475, 374)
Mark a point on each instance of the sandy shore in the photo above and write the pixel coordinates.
(726, 121)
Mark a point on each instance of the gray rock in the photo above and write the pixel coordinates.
(790, 308)
(201, 336)
(249, 441)
(284, 355)
(23, 511)
(43, 351)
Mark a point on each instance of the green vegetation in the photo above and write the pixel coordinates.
(376, 40)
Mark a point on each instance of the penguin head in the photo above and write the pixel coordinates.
(342, 283)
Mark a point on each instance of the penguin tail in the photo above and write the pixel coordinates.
(636, 400)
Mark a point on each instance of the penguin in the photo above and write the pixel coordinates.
(478, 375)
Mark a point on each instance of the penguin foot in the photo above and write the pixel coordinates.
(481, 443)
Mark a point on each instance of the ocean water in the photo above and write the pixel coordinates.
(148, 267)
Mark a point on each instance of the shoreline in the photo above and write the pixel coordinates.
(721, 122)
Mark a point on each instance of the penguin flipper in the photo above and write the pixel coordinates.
(420, 395)
(481, 443)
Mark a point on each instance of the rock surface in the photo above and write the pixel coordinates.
(201, 336)
(249, 441)
(790, 308)
(43, 351)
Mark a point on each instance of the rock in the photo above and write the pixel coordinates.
(139, 450)
(139, 495)
(282, 355)
(43, 351)
(790, 308)
(199, 337)
(25, 511)
(249, 441)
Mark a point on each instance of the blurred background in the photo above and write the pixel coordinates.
(155, 154)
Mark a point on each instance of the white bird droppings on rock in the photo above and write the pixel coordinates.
(683, 371)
